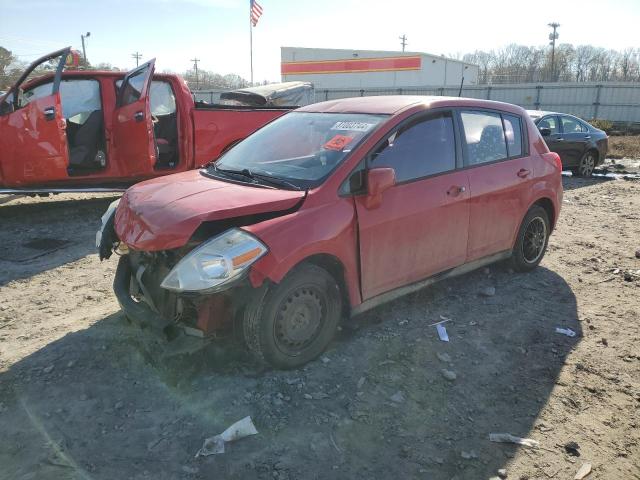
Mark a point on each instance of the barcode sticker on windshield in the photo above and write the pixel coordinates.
(352, 126)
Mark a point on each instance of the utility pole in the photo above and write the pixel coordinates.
(195, 67)
(137, 56)
(84, 50)
(553, 37)
(403, 42)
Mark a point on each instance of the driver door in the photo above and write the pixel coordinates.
(132, 139)
(33, 140)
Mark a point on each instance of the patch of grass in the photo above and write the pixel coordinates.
(627, 146)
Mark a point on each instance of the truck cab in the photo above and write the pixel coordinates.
(87, 130)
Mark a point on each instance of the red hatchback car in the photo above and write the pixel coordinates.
(329, 211)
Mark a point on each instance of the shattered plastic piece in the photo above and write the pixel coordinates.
(215, 445)
(584, 470)
(508, 438)
(442, 333)
(566, 331)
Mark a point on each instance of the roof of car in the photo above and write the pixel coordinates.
(391, 104)
(542, 113)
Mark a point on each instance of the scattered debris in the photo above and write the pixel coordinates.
(448, 374)
(325, 360)
(502, 473)
(443, 319)
(469, 455)
(566, 331)
(361, 382)
(48, 369)
(488, 291)
(572, 448)
(215, 445)
(442, 333)
(583, 471)
(638, 253)
(508, 438)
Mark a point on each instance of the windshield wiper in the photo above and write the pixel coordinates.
(245, 172)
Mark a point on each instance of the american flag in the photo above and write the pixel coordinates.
(255, 12)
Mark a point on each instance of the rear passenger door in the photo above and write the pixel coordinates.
(420, 228)
(576, 137)
(497, 162)
(133, 139)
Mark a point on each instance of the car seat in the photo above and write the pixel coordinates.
(492, 144)
(85, 153)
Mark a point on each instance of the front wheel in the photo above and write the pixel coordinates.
(296, 320)
(586, 166)
(532, 240)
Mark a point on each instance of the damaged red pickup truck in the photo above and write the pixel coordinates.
(102, 130)
(329, 211)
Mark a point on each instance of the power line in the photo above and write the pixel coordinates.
(137, 56)
(404, 41)
(195, 67)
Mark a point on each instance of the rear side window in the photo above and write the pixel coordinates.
(551, 123)
(422, 148)
(513, 133)
(571, 125)
(484, 137)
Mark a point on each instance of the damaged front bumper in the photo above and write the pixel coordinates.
(207, 315)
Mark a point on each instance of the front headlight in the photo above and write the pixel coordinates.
(215, 262)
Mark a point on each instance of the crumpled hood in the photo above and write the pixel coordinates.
(163, 213)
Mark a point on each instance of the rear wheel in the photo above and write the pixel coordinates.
(587, 165)
(296, 319)
(532, 240)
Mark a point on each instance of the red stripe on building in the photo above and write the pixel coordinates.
(352, 65)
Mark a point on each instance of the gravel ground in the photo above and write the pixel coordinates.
(86, 395)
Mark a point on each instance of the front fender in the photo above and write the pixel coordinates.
(328, 229)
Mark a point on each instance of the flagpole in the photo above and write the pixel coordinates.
(251, 42)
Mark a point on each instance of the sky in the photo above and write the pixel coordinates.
(217, 31)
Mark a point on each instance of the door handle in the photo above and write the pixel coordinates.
(50, 113)
(559, 139)
(456, 190)
(523, 172)
(587, 137)
(138, 116)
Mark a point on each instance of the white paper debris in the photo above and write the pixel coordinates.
(215, 445)
(566, 331)
(442, 332)
(584, 470)
(508, 438)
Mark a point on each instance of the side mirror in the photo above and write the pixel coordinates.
(379, 180)
(545, 132)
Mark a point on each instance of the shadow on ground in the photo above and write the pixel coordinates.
(43, 235)
(114, 401)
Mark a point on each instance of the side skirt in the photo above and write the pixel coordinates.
(414, 287)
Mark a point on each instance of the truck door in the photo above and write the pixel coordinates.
(132, 140)
(33, 140)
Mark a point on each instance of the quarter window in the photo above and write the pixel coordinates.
(484, 137)
(422, 148)
(513, 132)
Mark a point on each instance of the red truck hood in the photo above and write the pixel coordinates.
(163, 213)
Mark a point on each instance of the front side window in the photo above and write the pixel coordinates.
(422, 148)
(302, 148)
(484, 137)
(40, 91)
(551, 123)
(571, 125)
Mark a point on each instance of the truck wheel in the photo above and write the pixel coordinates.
(532, 240)
(296, 319)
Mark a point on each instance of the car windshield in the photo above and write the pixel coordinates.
(302, 148)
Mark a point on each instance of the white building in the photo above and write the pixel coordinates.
(334, 68)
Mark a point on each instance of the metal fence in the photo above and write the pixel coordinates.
(616, 102)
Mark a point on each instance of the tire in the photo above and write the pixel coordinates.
(587, 164)
(532, 240)
(294, 321)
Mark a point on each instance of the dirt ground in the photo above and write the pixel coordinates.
(86, 395)
(624, 146)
